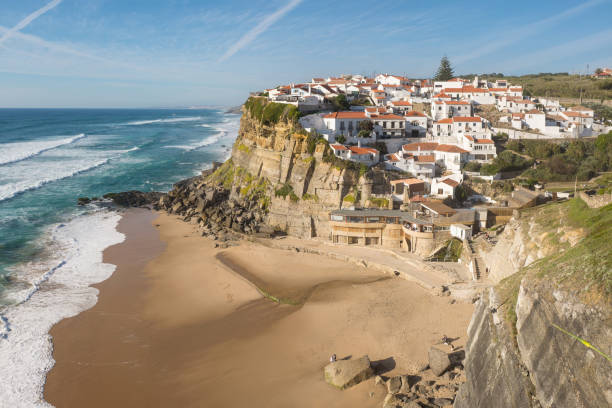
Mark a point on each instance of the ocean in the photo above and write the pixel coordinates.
(50, 248)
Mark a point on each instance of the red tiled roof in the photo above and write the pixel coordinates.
(414, 113)
(456, 102)
(338, 147)
(408, 181)
(390, 116)
(580, 108)
(450, 149)
(441, 95)
(413, 147)
(445, 120)
(401, 103)
(450, 182)
(346, 115)
(535, 112)
(484, 141)
(425, 158)
(466, 119)
(468, 137)
(362, 150)
(393, 158)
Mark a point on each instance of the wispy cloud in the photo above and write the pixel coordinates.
(259, 29)
(597, 41)
(514, 36)
(26, 21)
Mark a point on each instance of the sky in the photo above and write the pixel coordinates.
(179, 53)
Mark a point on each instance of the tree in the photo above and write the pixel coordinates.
(366, 125)
(598, 71)
(340, 139)
(445, 71)
(340, 103)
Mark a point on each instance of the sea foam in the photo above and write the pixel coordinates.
(57, 288)
(169, 120)
(25, 178)
(14, 152)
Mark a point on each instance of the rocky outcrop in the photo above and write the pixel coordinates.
(543, 336)
(343, 374)
(439, 361)
(495, 374)
(564, 371)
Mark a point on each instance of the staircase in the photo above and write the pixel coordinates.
(476, 262)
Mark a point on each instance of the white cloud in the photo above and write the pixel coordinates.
(259, 29)
(26, 21)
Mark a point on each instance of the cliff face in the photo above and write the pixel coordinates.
(280, 154)
(522, 348)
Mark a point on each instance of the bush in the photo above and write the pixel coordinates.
(349, 198)
(284, 190)
(472, 166)
(270, 113)
(380, 202)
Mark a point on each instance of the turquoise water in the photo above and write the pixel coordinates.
(49, 158)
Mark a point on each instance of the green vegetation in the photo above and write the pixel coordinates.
(445, 71)
(340, 164)
(252, 188)
(561, 85)
(311, 197)
(601, 111)
(380, 202)
(361, 102)
(450, 252)
(340, 103)
(585, 268)
(505, 161)
(286, 190)
(568, 161)
(271, 113)
(349, 198)
(244, 148)
(472, 166)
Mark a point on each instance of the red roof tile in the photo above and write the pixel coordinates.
(450, 149)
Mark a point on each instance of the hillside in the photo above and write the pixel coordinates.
(561, 85)
(541, 337)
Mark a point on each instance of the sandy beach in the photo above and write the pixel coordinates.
(181, 323)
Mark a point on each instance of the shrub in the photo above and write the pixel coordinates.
(472, 166)
(349, 198)
(284, 190)
(380, 202)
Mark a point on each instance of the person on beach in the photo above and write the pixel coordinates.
(448, 342)
(332, 359)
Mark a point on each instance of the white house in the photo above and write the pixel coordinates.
(480, 149)
(535, 119)
(447, 109)
(458, 125)
(463, 232)
(421, 166)
(344, 123)
(388, 125)
(364, 155)
(399, 107)
(451, 157)
(416, 124)
(443, 187)
(583, 110)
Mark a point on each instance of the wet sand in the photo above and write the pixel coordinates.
(183, 324)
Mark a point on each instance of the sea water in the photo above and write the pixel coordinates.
(50, 248)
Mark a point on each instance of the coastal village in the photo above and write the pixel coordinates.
(435, 135)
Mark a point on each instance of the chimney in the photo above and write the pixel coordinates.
(359, 143)
(419, 149)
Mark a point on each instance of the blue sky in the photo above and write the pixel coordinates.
(137, 53)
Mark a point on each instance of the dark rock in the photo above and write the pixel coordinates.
(83, 200)
(134, 198)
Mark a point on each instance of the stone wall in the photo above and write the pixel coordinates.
(596, 201)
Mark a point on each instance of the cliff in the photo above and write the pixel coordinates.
(303, 179)
(543, 336)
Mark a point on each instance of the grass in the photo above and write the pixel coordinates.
(244, 148)
(349, 198)
(311, 197)
(380, 202)
(585, 268)
(271, 113)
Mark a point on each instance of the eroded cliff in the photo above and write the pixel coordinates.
(543, 336)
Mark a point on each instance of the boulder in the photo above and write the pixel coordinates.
(438, 361)
(343, 374)
(394, 384)
(399, 401)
